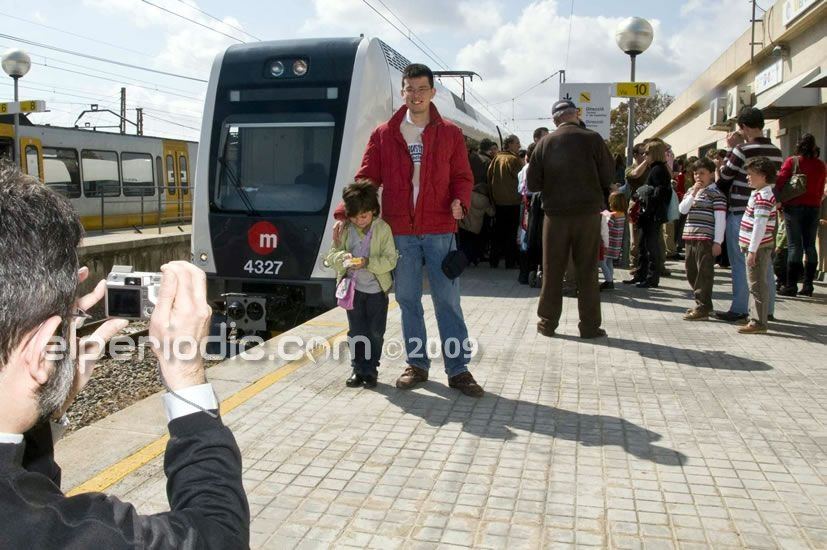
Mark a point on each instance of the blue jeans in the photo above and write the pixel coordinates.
(801, 223)
(608, 269)
(738, 269)
(430, 250)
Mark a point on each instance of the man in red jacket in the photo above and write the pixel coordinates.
(421, 163)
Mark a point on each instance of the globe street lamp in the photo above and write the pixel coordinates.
(16, 63)
(633, 36)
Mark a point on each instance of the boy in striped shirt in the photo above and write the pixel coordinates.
(757, 239)
(703, 232)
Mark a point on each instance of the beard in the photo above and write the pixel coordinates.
(53, 394)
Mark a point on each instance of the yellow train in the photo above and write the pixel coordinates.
(113, 180)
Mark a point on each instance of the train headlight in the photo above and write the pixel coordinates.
(203, 257)
(276, 68)
(300, 67)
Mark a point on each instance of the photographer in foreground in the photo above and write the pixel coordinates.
(39, 277)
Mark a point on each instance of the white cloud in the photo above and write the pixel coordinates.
(480, 16)
(533, 45)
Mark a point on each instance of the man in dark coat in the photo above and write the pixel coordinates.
(573, 169)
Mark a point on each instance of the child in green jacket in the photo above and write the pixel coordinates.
(366, 255)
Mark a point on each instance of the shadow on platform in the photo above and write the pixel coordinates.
(712, 359)
(495, 417)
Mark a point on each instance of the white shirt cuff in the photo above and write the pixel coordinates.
(14, 439)
(201, 395)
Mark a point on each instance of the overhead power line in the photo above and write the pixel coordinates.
(192, 21)
(173, 123)
(101, 59)
(239, 29)
(81, 36)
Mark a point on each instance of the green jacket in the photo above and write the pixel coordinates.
(383, 254)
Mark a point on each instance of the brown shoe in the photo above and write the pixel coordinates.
(465, 383)
(696, 315)
(543, 328)
(411, 377)
(752, 328)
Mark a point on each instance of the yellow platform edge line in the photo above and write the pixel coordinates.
(126, 466)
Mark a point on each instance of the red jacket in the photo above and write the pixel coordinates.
(814, 168)
(444, 175)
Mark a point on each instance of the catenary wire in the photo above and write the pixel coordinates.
(101, 59)
(239, 29)
(192, 21)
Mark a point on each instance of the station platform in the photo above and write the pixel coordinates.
(666, 434)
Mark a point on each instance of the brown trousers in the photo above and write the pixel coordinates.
(700, 272)
(758, 287)
(578, 236)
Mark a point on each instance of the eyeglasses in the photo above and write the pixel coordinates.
(422, 90)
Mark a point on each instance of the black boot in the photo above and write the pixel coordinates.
(794, 271)
(809, 275)
(354, 381)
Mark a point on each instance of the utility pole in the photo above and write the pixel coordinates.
(122, 125)
(139, 116)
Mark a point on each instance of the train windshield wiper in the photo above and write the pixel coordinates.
(242, 193)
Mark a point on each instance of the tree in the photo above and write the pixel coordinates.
(646, 111)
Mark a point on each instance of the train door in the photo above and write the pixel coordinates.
(176, 181)
(31, 156)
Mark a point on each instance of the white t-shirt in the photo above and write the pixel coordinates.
(413, 137)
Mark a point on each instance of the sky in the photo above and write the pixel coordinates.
(512, 44)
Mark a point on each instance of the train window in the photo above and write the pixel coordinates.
(171, 174)
(182, 166)
(137, 175)
(284, 165)
(61, 171)
(32, 167)
(100, 173)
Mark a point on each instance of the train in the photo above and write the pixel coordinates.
(284, 129)
(113, 180)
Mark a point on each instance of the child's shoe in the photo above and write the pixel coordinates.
(607, 285)
(354, 381)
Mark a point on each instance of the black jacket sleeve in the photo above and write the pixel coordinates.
(208, 506)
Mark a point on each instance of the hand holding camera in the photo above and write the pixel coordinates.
(179, 322)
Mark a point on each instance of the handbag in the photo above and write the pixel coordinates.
(346, 289)
(673, 212)
(795, 186)
(455, 262)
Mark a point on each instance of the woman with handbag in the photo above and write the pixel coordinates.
(654, 197)
(799, 186)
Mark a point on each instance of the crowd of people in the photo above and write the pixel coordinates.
(705, 211)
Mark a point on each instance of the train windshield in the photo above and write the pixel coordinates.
(277, 165)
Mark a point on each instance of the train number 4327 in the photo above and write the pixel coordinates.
(263, 267)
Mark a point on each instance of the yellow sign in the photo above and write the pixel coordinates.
(585, 97)
(27, 106)
(633, 89)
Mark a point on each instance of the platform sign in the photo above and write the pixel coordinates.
(633, 89)
(27, 106)
(593, 102)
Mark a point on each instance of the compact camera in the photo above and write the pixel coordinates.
(131, 294)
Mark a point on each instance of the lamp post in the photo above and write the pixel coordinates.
(633, 36)
(16, 63)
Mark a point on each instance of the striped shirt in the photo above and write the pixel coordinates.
(758, 222)
(734, 170)
(700, 220)
(617, 223)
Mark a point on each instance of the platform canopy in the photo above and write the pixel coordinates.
(790, 96)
